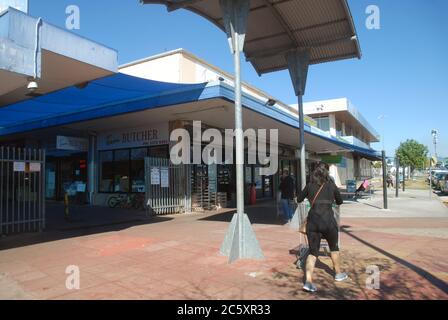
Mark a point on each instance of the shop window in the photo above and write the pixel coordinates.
(106, 171)
(121, 170)
(138, 169)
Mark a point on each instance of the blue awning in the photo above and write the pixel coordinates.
(121, 94)
(112, 95)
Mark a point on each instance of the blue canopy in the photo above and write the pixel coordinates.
(104, 97)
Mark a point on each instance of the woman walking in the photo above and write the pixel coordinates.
(322, 192)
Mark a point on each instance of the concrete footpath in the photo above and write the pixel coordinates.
(177, 257)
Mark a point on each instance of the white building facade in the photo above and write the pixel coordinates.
(341, 119)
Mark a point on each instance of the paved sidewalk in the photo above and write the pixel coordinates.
(177, 257)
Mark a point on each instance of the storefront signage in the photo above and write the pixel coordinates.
(153, 135)
(72, 143)
(330, 159)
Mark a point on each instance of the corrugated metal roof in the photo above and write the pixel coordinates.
(325, 27)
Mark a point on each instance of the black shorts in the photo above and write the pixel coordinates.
(328, 231)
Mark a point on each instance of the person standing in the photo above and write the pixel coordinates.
(390, 180)
(321, 223)
(287, 190)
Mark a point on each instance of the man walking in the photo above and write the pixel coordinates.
(287, 190)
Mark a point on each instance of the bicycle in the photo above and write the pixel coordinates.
(124, 201)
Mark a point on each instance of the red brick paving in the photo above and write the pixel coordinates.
(179, 259)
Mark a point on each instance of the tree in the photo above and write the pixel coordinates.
(412, 154)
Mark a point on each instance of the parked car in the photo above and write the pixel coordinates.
(439, 176)
(432, 174)
(443, 185)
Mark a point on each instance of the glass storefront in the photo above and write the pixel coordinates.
(123, 170)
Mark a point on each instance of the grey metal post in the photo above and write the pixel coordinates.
(302, 145)
(404, 178)
(240, 241)
(397, 176)
(239, 135)
(430, 176)
(298, 63)
(384, 180)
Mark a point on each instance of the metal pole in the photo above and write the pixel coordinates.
(404, 178)
(240, 240)
(397, 176)
(384, 180)
(239, 135)
(302, 144)
(430, 177)
(435, 148)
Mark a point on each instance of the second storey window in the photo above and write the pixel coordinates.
(323, 123)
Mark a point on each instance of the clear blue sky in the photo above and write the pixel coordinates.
(403, 73)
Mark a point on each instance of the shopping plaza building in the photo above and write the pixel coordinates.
(97, 122)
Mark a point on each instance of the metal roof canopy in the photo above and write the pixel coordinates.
(275, 35)
(276, 27)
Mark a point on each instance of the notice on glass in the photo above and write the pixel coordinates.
(155, 176)
(164, 178)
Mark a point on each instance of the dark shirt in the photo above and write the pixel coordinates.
(322, 211)
(287, 188)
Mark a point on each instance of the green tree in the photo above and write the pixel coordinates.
(412, 154)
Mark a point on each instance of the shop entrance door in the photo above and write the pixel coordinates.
(67, 175)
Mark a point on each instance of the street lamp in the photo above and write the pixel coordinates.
(434, 141)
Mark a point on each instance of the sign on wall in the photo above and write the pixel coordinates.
(152, 135)
(72, 143)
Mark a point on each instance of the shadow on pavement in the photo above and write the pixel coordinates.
(442, 285)
(82, 221)
(265, 212)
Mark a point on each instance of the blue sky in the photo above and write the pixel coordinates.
(403, 73)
